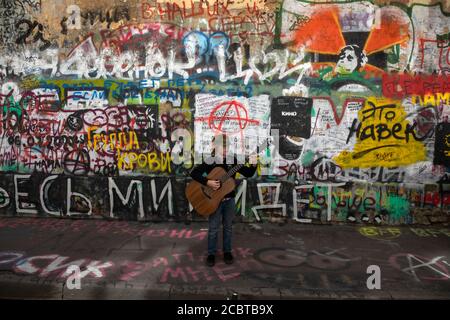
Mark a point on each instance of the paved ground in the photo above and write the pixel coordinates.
(127, 260)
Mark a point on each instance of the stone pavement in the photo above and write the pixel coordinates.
(132, 260)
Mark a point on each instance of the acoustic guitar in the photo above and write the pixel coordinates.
(203, 198)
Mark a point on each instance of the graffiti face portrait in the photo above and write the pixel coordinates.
(75, 123)
(347, 62)
(351, 58)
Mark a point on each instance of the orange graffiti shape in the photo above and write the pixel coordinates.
(321, 34)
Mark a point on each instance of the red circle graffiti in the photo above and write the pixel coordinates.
(231, 113)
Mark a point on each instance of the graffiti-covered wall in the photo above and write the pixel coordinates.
(106, 105)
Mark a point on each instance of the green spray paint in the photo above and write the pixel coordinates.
(397, 206)
(307, 158)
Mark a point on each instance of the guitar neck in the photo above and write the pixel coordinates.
(237, 167)
(232, 171)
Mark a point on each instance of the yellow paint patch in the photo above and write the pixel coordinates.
(432, 99)
(383, 137)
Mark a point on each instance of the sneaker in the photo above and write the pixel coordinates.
(378, 219)
(351, 218)
(365, 218)
(228, 257)
(211, 260)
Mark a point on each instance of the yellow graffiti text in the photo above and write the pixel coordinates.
(384, 137)
(153, 161)
(112, 141)
(431, 99)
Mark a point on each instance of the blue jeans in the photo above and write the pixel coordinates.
(224, 212)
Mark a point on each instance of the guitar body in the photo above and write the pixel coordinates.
(204, 200)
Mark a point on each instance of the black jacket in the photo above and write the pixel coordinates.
(200, 172)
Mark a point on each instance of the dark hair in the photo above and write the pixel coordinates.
(232, 50)
(225, 143)
(234, 46)
(360, 55)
